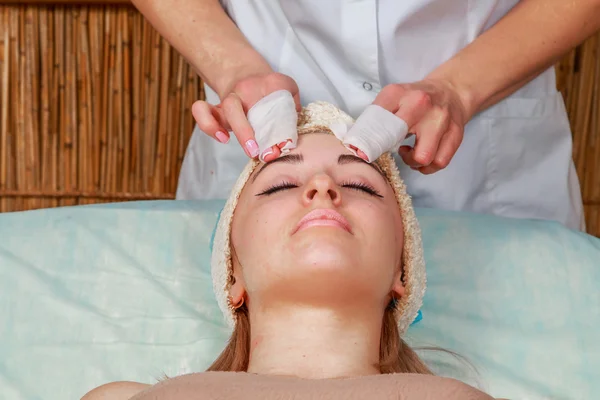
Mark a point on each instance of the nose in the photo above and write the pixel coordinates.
(322, 187)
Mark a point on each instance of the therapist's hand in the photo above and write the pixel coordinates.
(435, 114)
(231, 114)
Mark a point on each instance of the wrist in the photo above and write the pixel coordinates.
(232, 75)
(471, 99)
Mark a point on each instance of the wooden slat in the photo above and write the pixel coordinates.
(4, 96)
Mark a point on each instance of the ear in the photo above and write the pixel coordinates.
(398, 286)
(237, 291)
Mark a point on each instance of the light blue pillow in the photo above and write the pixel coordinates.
(95, 294)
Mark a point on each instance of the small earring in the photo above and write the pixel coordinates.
(394, 302)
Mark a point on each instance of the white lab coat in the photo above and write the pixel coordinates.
(515, 159)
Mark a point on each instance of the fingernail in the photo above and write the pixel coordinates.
(267, 152)
(252, 148)
(222, 137)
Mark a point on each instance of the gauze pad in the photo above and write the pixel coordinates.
(274, 120)
(375, 132)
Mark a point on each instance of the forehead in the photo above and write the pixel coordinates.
(320, 143)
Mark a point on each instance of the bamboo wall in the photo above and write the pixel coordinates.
(95, 107)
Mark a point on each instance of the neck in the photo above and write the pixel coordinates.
(315, 343)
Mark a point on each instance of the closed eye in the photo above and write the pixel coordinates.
(278, 188)
(363, 187)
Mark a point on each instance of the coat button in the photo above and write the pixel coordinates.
(367, 86)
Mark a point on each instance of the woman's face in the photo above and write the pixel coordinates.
(318, 225)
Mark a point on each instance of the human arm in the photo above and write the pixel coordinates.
(213, 45)
(524, 43)
(529, 39)
(207, 38)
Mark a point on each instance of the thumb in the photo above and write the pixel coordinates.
(238, 121)
(389, 96)
(297, 102)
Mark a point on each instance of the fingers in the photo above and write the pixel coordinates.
(447, 148)
(210, 120)
(429, 132)
(297, 102)
(406, 155)
(271, 153)
(413, 108)
(214, 121)
(362, 155)
(274, 152)
(388, 97)
(427, 110)
(359, 153)
(236, 117)
(409, 105)
(231, 114)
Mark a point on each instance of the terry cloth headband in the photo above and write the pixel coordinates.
(324, 117)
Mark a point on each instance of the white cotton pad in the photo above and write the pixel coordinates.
(274, 120)
(375, 132)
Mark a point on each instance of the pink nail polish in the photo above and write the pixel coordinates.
(267, 152)
(252, 148)
(222, 137)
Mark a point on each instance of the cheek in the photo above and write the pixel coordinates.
(257, 236)
(379, 219)
(251, 227)
(269, 222)
(384, 230)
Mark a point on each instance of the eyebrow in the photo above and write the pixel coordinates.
(351, 158)
(288, 159)
(343, 159)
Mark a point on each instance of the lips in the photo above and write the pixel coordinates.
(323, 217)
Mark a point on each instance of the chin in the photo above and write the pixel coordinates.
(318, 248)
(326, 270)
(328, 264)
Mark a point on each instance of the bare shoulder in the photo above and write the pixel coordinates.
(460, 390)
(116, 391)
(450, 388)
(430, 386)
